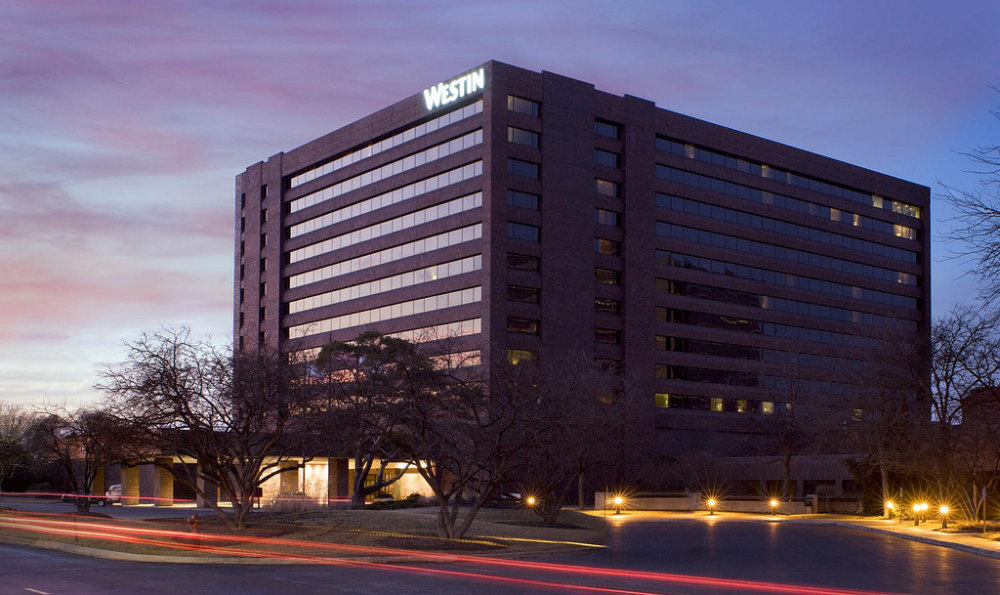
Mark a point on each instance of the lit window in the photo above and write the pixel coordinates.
(607, 276)
(662, 399)
(521, 356)
(716, 404)
(522, 325)
(767, 407)
(607, 187)
(610, 247)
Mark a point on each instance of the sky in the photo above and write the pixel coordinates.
(123, 125)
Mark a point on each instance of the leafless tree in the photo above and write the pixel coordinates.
(977, 213)
(366, 383)
(238, 416)
(79, 441)
(15, 429)
(965, 346)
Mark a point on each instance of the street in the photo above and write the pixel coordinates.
(648, 554)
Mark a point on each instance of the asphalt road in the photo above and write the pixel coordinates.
(799, 555)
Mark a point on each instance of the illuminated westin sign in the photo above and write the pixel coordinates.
(455, 89)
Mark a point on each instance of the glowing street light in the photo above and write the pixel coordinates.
(944, 510)
(712, 503)
(774, 506)
(530, 501)
(618, 501)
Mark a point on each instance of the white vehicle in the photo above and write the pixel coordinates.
(114, 494)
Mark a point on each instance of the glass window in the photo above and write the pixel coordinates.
(522, 262)
(607, 158)
(611, 247)
(611, 366)
(606, 217)
(520, 293)
(608, 129)
(519, 167)
(522, 325)
(608, 276)
(607, 187)
(520, 231)
(522, 105)
(607, 335)
(521, 356)
(607, 305)
(520, 136)
(525, 200)
(662, 399)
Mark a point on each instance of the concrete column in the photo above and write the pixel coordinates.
(98, 485)
(163, 482)
(130, 484)
(208, 492)
(337, 482)
(289, 478)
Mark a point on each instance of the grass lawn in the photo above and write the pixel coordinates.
(327, 533)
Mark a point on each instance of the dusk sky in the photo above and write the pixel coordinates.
(123, 125)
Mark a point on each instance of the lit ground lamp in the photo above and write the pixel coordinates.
(774, 506)
(618, 503)
(712, 504)
(890, 506)
(944, 510)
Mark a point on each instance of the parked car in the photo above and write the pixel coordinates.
(94, 498)
(114, 494)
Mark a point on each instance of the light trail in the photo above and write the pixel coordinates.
(54, 525)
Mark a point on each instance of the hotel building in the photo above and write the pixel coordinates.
(528, 215)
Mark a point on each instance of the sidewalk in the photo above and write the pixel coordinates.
(925, 533)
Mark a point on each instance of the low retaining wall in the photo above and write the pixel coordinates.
(691, 502)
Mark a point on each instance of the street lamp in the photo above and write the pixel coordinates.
(712, 503)
(774, 506)
(618, 501)
(530, 501)
(944, 515)
(890, 506)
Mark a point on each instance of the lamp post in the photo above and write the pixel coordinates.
(618, 502)
(890, 506)
(712, 503)
(944, 515)
(774, 506)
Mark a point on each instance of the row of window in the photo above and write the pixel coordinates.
(523, 231)
(771, 277)
(393, 141)
(523, 200)
(453, 361)
(766, 171)
(435, 182)
(453, 299)
(391, 226)
(392, 168)
(746, 352)
(606, 217)
(524, 106)
(448, 330)
(374, 259)
(370, 288)
(520, 136)
(530, 326)
(607, 187)
(768, 224)
(757, 327)
(766, 302)
(781, 201)
(607, 158)
(720, 404)
(752, 379)
(525, 169)
(710, 238)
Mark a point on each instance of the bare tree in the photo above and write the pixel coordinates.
(238, 416)
(79, 441)
(366, 384)
(15, 429)
(965, 344)
(977, 212)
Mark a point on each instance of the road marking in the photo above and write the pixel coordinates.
(37, 591)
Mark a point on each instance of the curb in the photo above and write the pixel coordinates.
(971, 549)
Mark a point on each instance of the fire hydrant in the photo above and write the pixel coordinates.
(194, 522)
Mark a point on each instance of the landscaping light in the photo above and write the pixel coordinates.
(774, 505)
(890, 505)
(944, 515)
(712, 503)
(530, 501)
(618, 501)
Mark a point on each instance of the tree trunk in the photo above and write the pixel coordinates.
(580, 495)
(884, 472)
(786, 469)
